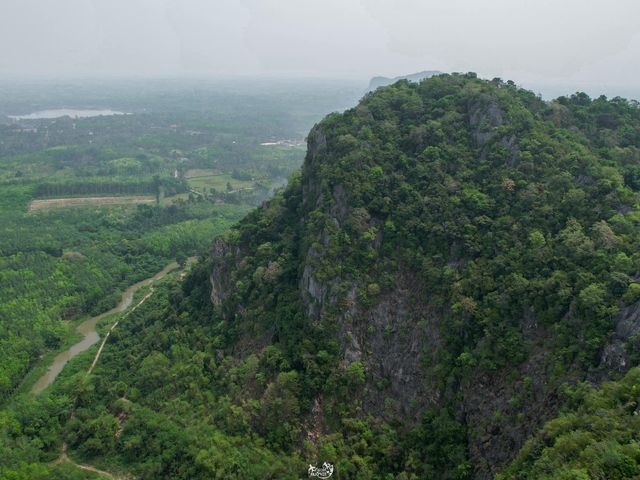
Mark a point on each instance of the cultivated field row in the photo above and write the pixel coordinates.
(45, 204)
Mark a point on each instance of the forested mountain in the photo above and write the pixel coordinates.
(456, 264)
(464, 246)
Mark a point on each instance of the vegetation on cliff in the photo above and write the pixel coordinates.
(596, 436)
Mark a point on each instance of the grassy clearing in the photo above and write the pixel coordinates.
(38, 205)
(201, 172)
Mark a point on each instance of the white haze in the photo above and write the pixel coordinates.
(547, 43)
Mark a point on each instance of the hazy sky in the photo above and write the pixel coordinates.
(555, 41)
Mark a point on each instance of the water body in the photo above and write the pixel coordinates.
(88, 330)
(66, 112)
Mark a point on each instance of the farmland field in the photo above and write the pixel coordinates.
(37, 205)
(219, 182)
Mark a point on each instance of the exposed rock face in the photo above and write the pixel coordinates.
(485, 117)
(314, 294)
(316, 146)
(392, 339)
(384, 337)
(219, 273)
(615, 357)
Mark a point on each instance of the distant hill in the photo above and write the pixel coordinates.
(413, 77)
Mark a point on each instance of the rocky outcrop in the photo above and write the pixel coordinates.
(485, 118)
(316, 147)
(392, 339)
(615, 355)
(220, 288)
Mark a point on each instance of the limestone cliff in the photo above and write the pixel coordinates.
(431, 238)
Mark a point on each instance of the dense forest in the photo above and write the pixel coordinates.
(448, 289)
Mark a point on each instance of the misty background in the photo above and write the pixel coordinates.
(552, 47)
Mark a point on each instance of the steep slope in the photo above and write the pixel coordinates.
(467, 246)
(595, 437)
(453, 254)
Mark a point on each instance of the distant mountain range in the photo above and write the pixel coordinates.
(413, 77)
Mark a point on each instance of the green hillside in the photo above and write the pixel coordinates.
(454, 260)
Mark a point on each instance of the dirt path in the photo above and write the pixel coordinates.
(64, 458)
(106, 337)
(167, 269)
